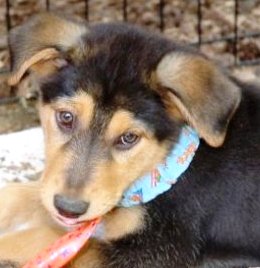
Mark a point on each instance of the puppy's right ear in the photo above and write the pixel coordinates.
(44, 44)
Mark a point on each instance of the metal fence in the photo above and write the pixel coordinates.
(232, 38)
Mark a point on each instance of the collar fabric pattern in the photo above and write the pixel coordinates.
(161, 179)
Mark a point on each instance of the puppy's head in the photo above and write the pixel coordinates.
(113, 101)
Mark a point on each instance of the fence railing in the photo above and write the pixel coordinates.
(232, 38)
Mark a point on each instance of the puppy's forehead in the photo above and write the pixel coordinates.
(114, 74)
(115, 56)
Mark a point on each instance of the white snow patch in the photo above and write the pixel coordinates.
(21, 155)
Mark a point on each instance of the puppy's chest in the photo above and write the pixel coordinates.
(120, 223)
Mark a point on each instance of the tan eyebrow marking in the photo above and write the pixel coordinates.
(82, 105)
(121, 122)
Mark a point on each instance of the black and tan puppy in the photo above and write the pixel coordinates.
(113, 101)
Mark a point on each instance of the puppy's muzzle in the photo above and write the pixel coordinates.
(70, 208)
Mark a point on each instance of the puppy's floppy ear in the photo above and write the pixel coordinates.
(205, 98)
(43, 45)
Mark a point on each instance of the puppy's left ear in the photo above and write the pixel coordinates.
(205, 98)
(44, 45)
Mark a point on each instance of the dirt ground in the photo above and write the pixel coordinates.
(16, 116)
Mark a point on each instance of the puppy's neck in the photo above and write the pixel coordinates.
(165, 175)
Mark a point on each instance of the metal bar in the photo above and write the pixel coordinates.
(47, 3)
(7, 15)
(8, 28)
(227, 38)
(4, 71)
(249, 62)
(87, 10)
(161, 15)
(9, 100)
(125, 10)
(199, 26)
(235, 49)
(245, 63)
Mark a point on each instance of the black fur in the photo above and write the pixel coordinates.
(211, 217)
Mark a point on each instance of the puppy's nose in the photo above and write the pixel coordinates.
(70, 208)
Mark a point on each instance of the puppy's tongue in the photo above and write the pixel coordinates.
(65, 248)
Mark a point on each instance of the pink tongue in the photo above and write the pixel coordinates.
(64, 249)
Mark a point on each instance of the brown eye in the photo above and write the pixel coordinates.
(127, 141)
(65, 120)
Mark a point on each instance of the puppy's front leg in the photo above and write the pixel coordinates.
(22, 246)
(20, 204)
(90, 257)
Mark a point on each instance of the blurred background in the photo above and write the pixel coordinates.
(227, 31)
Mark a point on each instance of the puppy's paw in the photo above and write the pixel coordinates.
(18, 203)
(9, 264)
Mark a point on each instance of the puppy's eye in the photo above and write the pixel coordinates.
(65, 120)
(126, 141)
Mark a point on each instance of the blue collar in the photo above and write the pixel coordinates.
(164, 175)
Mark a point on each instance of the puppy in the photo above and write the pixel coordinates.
(113, 102)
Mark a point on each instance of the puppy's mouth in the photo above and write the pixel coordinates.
(68, 222)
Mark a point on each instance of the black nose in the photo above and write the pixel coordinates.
(68, 207)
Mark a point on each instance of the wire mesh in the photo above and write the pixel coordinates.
(234, 38)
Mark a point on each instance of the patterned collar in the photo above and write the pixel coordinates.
(161, 179)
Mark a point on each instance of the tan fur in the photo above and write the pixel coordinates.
(124, 121)
(82, 106)
(200, 91)
(42, 56)
(109, 179)
(21, 206)
(48, 31)
(115, 225)
(90, 255)
(52, 28)
(22, 246)
(54, 139)
(123, 221)
(41, 231)
(171, 107)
